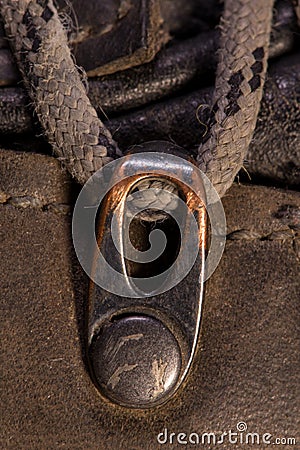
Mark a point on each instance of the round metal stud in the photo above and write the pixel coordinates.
(136, 361)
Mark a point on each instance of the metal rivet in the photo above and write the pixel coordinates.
(136, 361)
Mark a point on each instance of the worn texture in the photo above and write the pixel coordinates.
(70, 122)
(178, 65)
(41, 185)
(273, 152)
(247, 364)
(243, 54)
(108, 35)
(276, 141)
(77, 135)
(127, 33)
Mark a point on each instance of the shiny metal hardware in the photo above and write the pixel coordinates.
(140, 347)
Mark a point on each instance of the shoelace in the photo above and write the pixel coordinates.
(79, 138)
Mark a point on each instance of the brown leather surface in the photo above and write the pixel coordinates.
(247, 364)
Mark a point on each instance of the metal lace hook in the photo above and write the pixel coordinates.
(141, 343)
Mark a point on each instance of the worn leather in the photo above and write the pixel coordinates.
(247, 363)
(276, 154)
(274, 149)
(273, 152)
(128, 32)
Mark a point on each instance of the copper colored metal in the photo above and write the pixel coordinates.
(141, 347)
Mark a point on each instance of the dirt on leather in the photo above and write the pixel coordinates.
(247, 363)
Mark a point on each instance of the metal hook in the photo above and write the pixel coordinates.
(141, 346)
